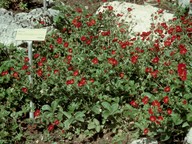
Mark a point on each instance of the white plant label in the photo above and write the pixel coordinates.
(31, 34)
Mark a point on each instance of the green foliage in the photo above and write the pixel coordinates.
(20, 5)
(91, 77)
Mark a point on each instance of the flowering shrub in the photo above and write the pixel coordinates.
(91, 76)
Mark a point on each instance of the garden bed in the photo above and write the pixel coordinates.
(95, 84)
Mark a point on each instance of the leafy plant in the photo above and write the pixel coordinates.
(91, 76)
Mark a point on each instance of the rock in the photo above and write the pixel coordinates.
(144, 141)
(9, 22)
(188, 138)
(184, 3)
(139, 16)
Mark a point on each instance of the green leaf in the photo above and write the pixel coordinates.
(176, 119)
(96, 121)
(106, 105)
(131, 83)
(46, 108)
(185, 124)
(189, 117)
(54, 104)
(91, 125)
(68, 122)
(79, 115)
(147, 94)
(67, 114)
(165, 137)
(96, 109)
(114, 107)
(106, 114)
(98, 128)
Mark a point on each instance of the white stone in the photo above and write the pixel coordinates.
(188, 138)
(144, 141)
(9, 22)
(140, 15)
(184, 3)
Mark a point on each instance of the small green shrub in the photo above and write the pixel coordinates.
(91, 77)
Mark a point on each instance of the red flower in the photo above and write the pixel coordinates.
(167, 63)
(121, 75)
(70, 68)
(25, 90)
(26, 59)
(59, 40)
(113, 52)
(37, 113)
(167, 89)
(148, 70)
(145, 131)
(156, 103)
(43, 59)
(70, 50)
(110, 8)
(11, 68)
(75, 73)
(69, 57)
(79, 10)
(154, 73)
(39, 72)
(183, 75)
(56, 71)
(145, 100)
(159, 109)
(166, 99)
(88, 42)
(50, 127)
(182, 71)
(133, 103)
(150, 111)
(40, 64)
(76, 23)
(178, 29)
(172, 53)
(112, 61)
(95, 61)
(66, 44)
(105, 33)
(134, 59)
(36, 56)
(51, 46)
(184, 102)
(152, 118)
(183, 49)
(155, 60)
(56, 122)
(164, 25)
(91, 80)
(83, 38)
(82, 82)
(160, 118)
(71, 81)
(167, 43)
(25, 67)
(91, 22)
(169, 111)
(129, 9)
(15, 74)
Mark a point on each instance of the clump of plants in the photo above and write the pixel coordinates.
(93, 75)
